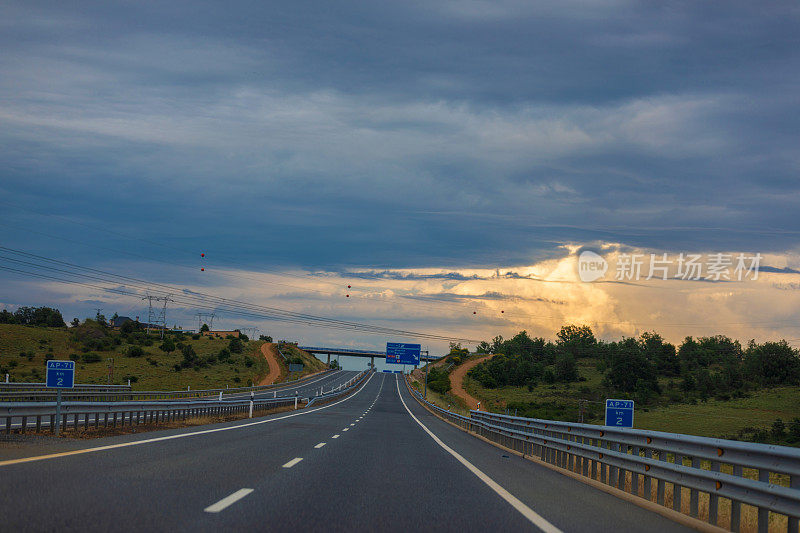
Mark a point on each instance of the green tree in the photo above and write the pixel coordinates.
(204, 327)
(236, 345)
(576, 340)
(629, 365)
(565, 368)
(661, 353)
(135, 351)
(773, 363)
(168, 345)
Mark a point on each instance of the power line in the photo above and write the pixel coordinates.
(87, 273)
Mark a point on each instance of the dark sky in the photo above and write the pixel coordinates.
(373, 135)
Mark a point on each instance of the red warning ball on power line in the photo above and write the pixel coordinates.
(348, 286)
(502, 311)
(474, 312)
(202, 255)
(347, 295)
(202, 270)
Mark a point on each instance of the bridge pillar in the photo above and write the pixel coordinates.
(329, 359)
(372, 362)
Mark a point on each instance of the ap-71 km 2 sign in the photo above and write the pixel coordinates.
(60, 374)
(619, 413)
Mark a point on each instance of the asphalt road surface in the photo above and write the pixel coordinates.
(375, 460)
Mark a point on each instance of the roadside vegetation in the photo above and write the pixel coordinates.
(710, 386)
(175, 362)
(295, 355)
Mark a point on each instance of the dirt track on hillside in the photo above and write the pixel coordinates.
(457, 381)
(271, 355)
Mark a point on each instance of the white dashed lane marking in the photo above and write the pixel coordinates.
(228, 501)
(320, 445)
(346, 429)
(335, 436)
(293, 462)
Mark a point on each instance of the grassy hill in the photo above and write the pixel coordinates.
(310, 363)
(24, 350)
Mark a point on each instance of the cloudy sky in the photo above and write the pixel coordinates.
(449, 160)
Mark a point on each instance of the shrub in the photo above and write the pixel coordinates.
(224, 354)
(778, 428)
(794, 430)
(438, 381)
(167, 346)
(135, 351)
(91, 357)
(565, 368)
(73, 357)
(236, 345)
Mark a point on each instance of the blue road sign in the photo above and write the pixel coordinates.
(619, 413)
(401, 353)
(61, 374)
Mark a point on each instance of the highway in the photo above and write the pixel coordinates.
(375, 460)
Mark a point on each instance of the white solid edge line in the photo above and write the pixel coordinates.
(178, 436)
(526, 511)
(228, 501)
(320, 445)
(293, 462)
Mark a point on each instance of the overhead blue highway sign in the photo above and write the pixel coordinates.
(619, 413)
(61, 374)
(401, 353)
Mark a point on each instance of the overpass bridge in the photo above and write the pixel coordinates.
(372, 354)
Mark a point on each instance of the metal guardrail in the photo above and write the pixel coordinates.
(83, 387)
(341, 390)
(89, 395)
(37, 415)
(647, 463)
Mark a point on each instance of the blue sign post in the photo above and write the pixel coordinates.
(619, 413)
(400, 353)
(60, 375)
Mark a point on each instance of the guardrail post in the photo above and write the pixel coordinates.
(794, 521)
(713, 500)
(694, 494)
(660, 484)
(648, 481)
(252, 395)
(763, 512)
(677, 489)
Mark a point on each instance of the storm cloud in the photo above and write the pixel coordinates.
(344, 136)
